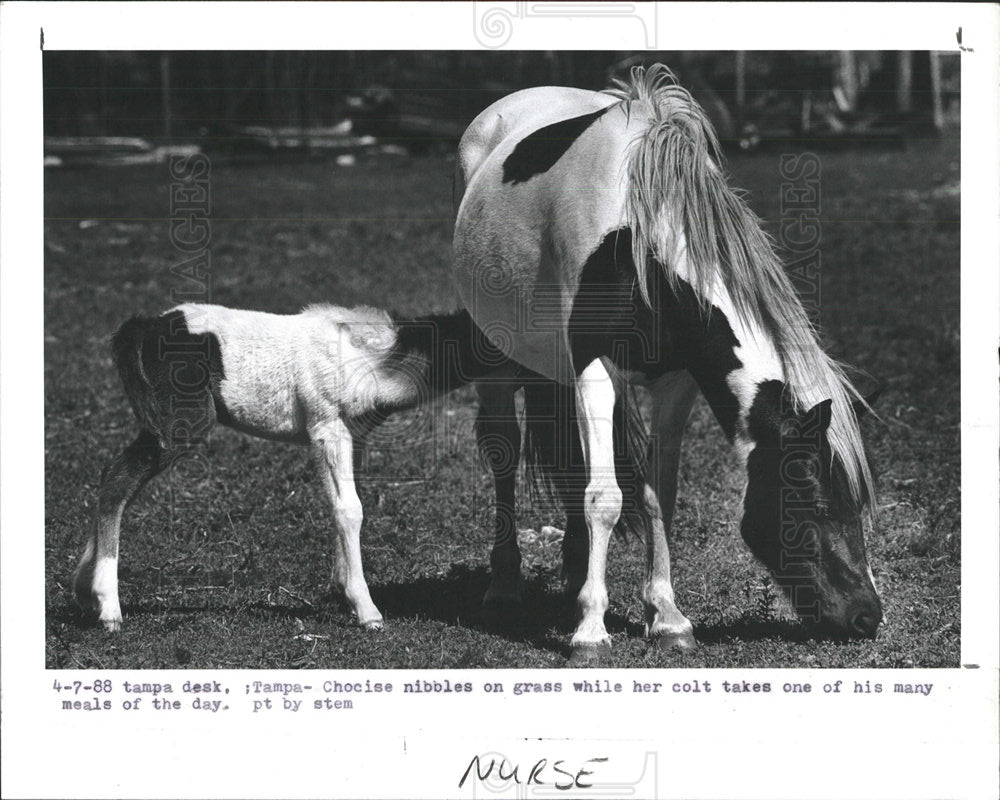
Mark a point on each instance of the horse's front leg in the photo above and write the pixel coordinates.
(673, 399)
(334, 453)
(95, 582)
(500, 443)
(602, 506)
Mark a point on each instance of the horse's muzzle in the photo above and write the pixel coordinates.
(863, 620)
(865, 625)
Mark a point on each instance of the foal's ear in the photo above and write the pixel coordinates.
(862, 408)
(819, 416)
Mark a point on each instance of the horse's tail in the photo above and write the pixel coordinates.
(553, 453)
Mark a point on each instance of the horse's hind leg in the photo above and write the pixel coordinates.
(333, 447)
(95, 582)
(673, 400)
(499, 438)
(554, 436)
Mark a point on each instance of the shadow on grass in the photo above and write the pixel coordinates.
(544, 620)
(751, 629)
(70, 614)
(185, 599)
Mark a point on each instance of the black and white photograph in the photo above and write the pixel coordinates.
(374, 371)
(369, 257)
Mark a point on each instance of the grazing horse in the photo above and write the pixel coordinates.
(325, 377)
(596, 241)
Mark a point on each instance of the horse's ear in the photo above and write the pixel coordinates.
(819, 416)
(862, 408)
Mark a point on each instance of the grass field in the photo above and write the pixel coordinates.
(228, 567)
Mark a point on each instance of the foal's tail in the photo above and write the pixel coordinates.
(553, 453)
(169, 375)
(127, 349)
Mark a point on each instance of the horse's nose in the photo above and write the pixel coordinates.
(865, 622)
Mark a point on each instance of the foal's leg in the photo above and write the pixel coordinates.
(333, 450)
(95, 582)
(499, 438)
(595, 399)
(672, 402)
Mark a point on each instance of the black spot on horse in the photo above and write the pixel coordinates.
(539, 151)
(440, 353)
(611, 319)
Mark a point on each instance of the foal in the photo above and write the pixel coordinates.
(325, 377)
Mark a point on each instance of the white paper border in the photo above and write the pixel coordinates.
(944, 748)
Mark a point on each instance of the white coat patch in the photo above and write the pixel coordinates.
(285, 373)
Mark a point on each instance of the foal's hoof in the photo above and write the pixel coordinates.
(94, 613)
(112, 625)
(590, 655)
(676, 642)
(372, 625)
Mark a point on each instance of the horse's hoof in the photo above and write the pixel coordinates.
(372, 625)
(590, 655)
(112, 625)
(674, 642)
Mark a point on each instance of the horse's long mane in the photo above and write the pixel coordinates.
(679, 202)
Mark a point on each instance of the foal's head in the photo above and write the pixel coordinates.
(803, 521)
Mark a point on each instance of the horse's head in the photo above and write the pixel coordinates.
(802, 520)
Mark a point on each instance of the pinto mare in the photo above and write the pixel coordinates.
(597, 237)
(325, 377)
